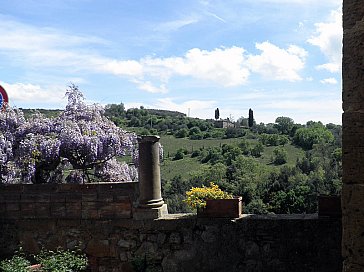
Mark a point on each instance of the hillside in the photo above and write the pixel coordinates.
(276, 168)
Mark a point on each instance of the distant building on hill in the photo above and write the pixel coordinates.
(226, 123)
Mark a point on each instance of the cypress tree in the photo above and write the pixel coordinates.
(251, 118)
(217, 114)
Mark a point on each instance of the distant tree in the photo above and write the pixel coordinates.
(279, 156)
(307, 137)
(179, 155)
(243, 121)
(217, 113)
(182, 133)
(284, 125)
(251, 118)
(257, 150)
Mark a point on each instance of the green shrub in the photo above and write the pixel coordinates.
(18, 263)
(50, 261)
(61, 261)
(280, 156)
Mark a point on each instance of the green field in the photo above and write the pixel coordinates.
(172, 144)
(171, 168)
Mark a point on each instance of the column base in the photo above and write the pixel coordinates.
(150, 213)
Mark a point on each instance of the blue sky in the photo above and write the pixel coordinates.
(278, 57)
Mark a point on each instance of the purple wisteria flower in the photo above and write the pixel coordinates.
(80, 145)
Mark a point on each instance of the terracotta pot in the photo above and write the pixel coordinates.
(329, 205)
(34, 267)
(224, 208)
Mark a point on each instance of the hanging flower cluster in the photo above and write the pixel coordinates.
(80, 145)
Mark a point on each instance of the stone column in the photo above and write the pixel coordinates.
(353, 136)
(151, 204)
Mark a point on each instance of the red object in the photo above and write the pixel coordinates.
(3, 97)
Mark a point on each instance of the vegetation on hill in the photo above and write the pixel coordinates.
(278, 167)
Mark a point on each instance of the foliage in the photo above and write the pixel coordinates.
(313, 134)
(217, 114)
(251, 118)
(52, 261)
(257, 150)
(257, 206)
(18, 263)
(232, 132)
(196, 197)
(279, 156)
(313, 162)
(284, 125)
(180, 154)
(80, 140)
(61, 260)
(273, 139)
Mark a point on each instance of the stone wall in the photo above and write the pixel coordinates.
(186, 243)
(353, 136)
(72, 201)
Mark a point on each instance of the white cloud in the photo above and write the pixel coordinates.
(175, 25)
(330, 80)
(215, 16)
(120, 67)
(331, 67)
(149, 87)
(277, 63)
(30, 94)
(329, 39)
(200, 108)
(46, 47)
(224, 66)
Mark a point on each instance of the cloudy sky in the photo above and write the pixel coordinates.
(278, 57)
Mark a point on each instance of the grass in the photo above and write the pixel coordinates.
(292, 154)
(172, 144)
(171, 168)
(183, 167)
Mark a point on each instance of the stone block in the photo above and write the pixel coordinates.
(58, 197)
(352, 13)
(12, 196)
(150, 213)
(90, 210)
(98, 248)
(73, 197)
(105, 197)
(40, 188)
(58, 210)
(352, 200)
(353, 239)
(12, 207)
(106, 211)
(89, 197)
(122, 210)
(43, 210)
(73, 209)
(121, 198)
(28, 210)
(29, 241)
(352, 267)
(34, 197)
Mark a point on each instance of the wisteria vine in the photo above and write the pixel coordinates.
(80, 145)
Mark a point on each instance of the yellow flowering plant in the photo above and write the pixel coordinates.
(196, 197)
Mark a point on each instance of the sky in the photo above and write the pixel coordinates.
(277, 57)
